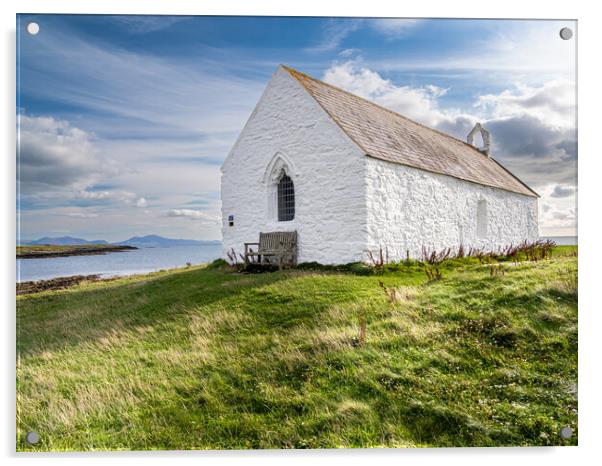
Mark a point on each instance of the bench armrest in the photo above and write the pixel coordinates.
(247, 248)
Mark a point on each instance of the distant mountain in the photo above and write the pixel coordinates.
(149, 241)
(156, 241)
(64, 241)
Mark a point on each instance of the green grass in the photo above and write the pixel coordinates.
(207, 358)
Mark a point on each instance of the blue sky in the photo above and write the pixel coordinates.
(124, 121)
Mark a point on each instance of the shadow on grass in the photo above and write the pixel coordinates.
(55, 321)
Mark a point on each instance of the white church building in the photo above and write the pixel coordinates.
(351, 177)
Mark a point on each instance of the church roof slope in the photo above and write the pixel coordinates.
(386, 135)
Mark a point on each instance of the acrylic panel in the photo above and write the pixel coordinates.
(295, 232)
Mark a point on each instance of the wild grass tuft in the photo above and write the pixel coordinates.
(381, 260)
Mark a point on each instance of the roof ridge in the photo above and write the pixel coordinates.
(289, 69)
(299, 76)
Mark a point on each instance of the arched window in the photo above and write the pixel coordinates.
(286, 199)
(482, 219)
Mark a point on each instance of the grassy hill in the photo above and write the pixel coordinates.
(209, 358)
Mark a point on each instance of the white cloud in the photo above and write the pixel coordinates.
(141, 202)
(125, 197)
(55, 153)
(553, 103)
(190, 213)
(558, 215)
(418, 103)
(533, 131)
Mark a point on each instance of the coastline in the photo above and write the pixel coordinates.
(59, 283)
(62, 283)
(43, 252)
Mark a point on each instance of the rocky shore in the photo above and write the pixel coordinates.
(59, 283)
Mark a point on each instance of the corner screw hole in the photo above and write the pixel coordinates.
(566, 432)
(566, 33)
(32, 438)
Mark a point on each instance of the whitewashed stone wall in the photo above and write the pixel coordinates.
(408, 208)
(346, 202)
(289, 128)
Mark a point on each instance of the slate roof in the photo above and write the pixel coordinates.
(386, 135)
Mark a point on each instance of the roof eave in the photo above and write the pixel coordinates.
(516, 178)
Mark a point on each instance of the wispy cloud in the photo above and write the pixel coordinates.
(529, 51)
(142, 24)
(155, 96)
(81, 215)
(134, 112)
(336, 31)
(395, 28)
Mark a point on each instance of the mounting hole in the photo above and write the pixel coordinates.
(32, 438)
(566, 33)
(33, 28)
(566, 432)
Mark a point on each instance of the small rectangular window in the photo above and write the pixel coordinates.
(482, 219)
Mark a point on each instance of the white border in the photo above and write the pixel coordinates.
(590, 262)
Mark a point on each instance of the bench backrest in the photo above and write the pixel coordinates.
(278, 241)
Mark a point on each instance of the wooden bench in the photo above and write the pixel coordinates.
(276, 247)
